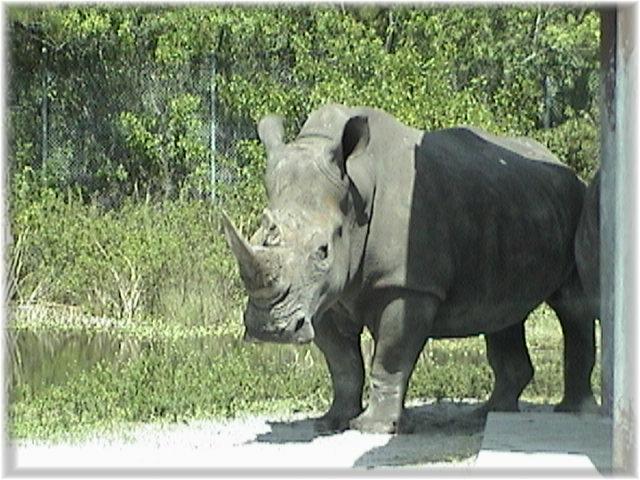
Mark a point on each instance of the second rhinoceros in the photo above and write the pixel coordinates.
(413, 235)
(588, 246)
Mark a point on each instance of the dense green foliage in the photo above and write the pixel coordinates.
(118, 129)
(109, 150)
(100, 212)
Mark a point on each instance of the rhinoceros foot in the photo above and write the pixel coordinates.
(370, 423)
(335, 420)
(330, 424)
(584, 405)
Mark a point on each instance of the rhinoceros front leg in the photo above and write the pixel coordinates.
(339, 340)
(400, 335)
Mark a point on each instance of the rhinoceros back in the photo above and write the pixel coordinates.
(485, 225)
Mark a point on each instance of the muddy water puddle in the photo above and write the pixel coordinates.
(41, 359)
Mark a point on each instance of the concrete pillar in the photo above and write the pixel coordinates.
(618, 212)
(625, 217)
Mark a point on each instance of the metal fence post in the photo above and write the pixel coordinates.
(212, 133)
(44, 108)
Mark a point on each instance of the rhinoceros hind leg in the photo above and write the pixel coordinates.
(578, 329)
(339, 340)
(509, 359)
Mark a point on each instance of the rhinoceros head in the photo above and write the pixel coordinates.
(297, 262)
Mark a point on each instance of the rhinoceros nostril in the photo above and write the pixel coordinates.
(299, 324)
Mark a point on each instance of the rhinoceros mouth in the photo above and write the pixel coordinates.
(285, 321)
(297, 330)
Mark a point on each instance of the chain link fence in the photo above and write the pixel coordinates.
(111, 130)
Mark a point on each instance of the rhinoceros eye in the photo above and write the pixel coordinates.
(271, 235)
(322, 252)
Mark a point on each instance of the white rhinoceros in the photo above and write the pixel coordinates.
(412, 234)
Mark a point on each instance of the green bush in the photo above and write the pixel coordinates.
(576, 144)
(165, 259)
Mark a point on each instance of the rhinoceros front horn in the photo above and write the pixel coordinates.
(242, 250)
(257, 276)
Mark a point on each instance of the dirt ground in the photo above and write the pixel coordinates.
(443, 435)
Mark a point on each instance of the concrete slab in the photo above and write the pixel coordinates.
(546, 441)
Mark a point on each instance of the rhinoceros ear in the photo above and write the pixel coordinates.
(355, 138)
(271, 132)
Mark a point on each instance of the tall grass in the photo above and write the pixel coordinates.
(165, 260)
(138, 374)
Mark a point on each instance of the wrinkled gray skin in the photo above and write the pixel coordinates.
(588, 246)
(450, 233)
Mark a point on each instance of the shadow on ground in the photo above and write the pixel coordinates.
(443, 416)
(296, 431)
(440, 433)
(444, 432)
